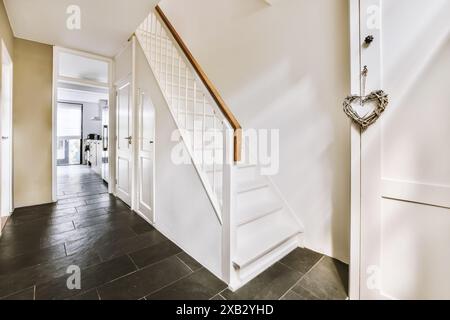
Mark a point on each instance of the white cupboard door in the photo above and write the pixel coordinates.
(404, 235)
(124, 160)
(145, 155)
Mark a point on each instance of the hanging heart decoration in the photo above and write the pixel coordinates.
(366, 110)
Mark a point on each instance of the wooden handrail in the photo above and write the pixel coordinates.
(237, 136)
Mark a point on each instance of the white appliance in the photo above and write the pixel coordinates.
(105, 141)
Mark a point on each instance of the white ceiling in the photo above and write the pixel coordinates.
(105, 24)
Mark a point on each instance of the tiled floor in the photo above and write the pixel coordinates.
(122, 257)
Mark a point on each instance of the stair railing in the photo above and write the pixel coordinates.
(211, 133)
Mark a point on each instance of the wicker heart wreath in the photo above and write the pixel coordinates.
(380, 98)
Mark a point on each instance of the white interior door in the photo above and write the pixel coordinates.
(6, 202)
(145, 155)
(401, 184)
(124, 156)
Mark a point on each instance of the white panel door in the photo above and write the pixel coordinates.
(124, 157)
(6, 202)
(401, 213)
(145, 155)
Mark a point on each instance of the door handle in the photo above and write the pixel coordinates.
(130, 139)
(5, 138)
(152, 142)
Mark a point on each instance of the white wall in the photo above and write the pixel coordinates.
(285, 67)
(183, 211)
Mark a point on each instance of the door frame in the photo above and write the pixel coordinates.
(365, 188)
(109, 85)
(5, 53)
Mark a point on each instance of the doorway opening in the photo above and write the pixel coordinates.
(6, 152)
(81, 130)
(70, 134)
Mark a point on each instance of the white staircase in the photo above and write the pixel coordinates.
(258, 226)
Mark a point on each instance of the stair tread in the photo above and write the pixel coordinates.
(263, 240)
(258, 210)
(254, 184)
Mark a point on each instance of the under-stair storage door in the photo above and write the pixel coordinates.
(124, 161)
(145, 155)
(404, 194)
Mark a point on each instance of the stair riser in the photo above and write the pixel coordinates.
(246, 174)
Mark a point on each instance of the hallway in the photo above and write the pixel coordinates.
(123, 257)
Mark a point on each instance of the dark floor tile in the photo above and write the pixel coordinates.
(112, 204)
(90, 295)
(44, 272)
(129, 245)
(70, 205)
(145, 281)
(19, 246)
(270, 285)
(48, 214)
(90, 278)
(119, 218)
(10, 264)
(189, 261)
(201, 285)
(90, 207)
(27, 294)
(93, 231)
(102, 198)
(35, 231)
(301, 294)
(46, 220)
(154, 253)
(141, 226)
(91, 238)
(327, 280)
(301, 260)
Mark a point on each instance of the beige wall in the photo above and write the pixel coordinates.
(32, 121)
(285, 67)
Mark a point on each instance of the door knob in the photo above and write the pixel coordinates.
(368, 40)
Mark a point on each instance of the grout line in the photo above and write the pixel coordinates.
(183, 262)
(168, 285)
(135, 271)
(221, 296)
(302, 277)
(98, 295)
(134, 263)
